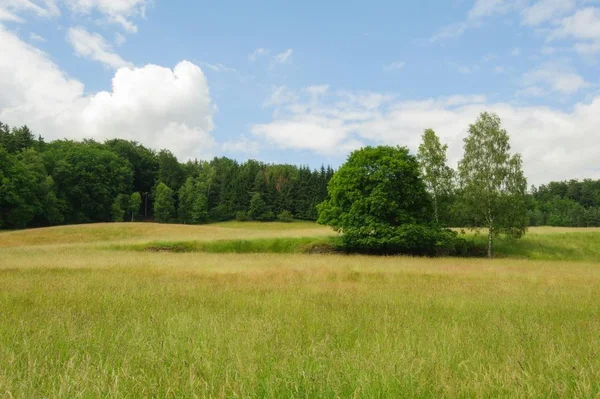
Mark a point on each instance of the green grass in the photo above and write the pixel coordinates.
(258, 245)
(576, 246)
(537, 245)
(78, 319)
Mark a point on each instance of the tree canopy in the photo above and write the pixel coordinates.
(493, 185)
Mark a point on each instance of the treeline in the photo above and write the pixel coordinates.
(559, 204)
(67, 182)
(566, 204)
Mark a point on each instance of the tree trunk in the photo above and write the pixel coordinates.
(435, 209)
(491, 242)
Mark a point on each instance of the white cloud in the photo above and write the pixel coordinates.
(5, 15)
(157, 106)
(41, 8)
(480, 10)
(36, 38)
(284, 57)
(486, 8)
(241, 146)
(115, 11)
(120, 39)
(555, 144)
(531, 91)
(583, 25)
(449, 32)
(218, 67)
(546, 10)
(515, 52)
(280, 96)
(588, 48)
(394, 66)
(95, 47)
(557, 77)
(120, 12)
(257, 53)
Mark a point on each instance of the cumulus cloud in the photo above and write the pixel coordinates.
(555, 144)
(584, 27)
(558, 78)
(95, 47)
(157, 106)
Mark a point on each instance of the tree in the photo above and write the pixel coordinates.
(259, 210)
(135, 201)
(186, 196)
(492, 182)
(119, 208)
(170, 170)
(437, 175)
(378, 200)
(164, 204)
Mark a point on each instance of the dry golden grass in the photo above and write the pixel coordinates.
(80, 320)
(136, 232)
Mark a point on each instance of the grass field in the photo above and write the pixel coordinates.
(79, 318)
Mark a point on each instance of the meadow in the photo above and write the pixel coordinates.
(243, 311)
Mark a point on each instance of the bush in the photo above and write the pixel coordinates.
(408, 239)
(285, 216)
(241, 216)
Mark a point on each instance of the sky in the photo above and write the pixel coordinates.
(308, 82)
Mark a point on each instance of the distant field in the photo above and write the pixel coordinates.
(81, 319)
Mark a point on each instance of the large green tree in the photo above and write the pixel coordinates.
(438, 176)
(379, 202)
(493, 185)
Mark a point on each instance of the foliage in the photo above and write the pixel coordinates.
(570, 203)
(492, 183)
(76, 182)
(438, 176)
(135, 202)
(119, 208)
(164, 204)
(259, 210)
(285, 216)
(241, 216)
(379, 202)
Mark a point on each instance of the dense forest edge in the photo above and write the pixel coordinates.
(72, 182)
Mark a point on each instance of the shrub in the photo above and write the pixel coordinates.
(285, 216)
(241, 216)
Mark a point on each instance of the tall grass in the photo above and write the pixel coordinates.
(80, 320)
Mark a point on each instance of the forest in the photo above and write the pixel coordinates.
(70, 182)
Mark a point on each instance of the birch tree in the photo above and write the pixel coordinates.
(492, 182)
(437, 175)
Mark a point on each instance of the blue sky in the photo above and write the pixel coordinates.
(307, 82)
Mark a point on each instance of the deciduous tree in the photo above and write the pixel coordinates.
(492, 182)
